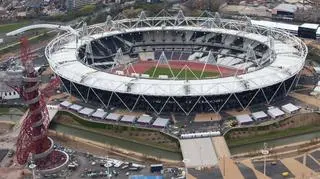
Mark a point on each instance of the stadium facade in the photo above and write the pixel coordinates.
(255, 64)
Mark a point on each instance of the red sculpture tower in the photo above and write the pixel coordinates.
(33, 144)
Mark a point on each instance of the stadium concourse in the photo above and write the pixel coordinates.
(176, 63)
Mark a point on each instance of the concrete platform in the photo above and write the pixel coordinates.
(198, 152)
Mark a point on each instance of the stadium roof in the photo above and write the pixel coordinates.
(288, 62)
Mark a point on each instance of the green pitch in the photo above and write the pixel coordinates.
(184, 74)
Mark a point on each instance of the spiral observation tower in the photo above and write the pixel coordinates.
(33, 144)
(176, 63)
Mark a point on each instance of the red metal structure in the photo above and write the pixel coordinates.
(33, 142)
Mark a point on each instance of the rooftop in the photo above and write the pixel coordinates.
(65, 64)
(310, 26)
(286, 7)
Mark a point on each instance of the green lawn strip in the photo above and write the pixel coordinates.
(89, 126)
(272, 135)
(185, 73)
(4, 110)
(4, 28)
(8, 110)
(32, 40)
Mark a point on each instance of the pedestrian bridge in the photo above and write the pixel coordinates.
(204, 152)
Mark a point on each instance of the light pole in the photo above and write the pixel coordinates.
(108, 167)
(265, 152)
(185, 161)
(33, 166)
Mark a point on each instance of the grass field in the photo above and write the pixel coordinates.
(184, 74)
(4, 28)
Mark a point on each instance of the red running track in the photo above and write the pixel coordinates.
(143, 66)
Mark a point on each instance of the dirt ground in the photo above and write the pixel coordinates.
(202, 117)
(306, 99)
(14, 173)
(58, 96)
(236, 113)
(308, 71)
(5, 126)
(124, 112)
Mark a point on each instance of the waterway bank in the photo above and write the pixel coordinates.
(144, 136)
(296, 125)
(284, 141)
(144, 150)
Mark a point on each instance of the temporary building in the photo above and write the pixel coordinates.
(275, 112)
(260, 115)
(244, 119)
(289, 108)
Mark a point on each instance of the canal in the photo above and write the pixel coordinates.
(274, 142)
(125, 144)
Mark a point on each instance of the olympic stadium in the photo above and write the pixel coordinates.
(177, 63)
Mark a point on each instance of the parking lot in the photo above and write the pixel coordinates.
(85, 165)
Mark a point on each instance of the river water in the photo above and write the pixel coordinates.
(274, 142)
(145, 149)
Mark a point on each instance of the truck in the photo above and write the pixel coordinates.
(156, 168)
